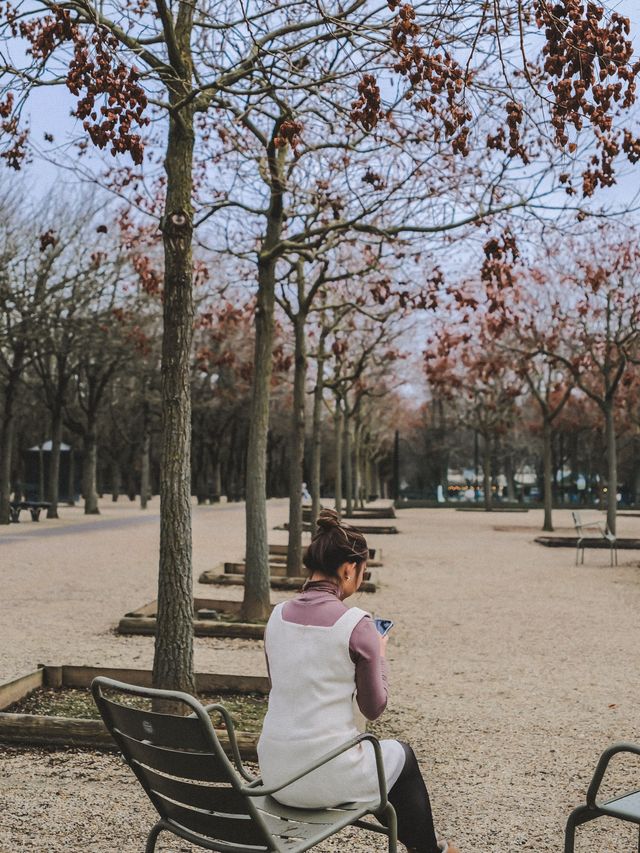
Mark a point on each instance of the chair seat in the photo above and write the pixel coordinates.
(292, 825)
(626, 807)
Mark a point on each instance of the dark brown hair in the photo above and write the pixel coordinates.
(333, 544)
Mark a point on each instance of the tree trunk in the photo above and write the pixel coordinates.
(145, 465)
(509, 474)
(8, 431)
(377, 478)
(396, 467)
(367, 487)
(54, 463)
(256, 601)
(636, 474)
(444, 475)
(199, 463)
(296, 451)
(173, 658)
(89, 465)
(357, 480)
(256, 589)
(486, 471)
(42, 496)
(348, 467)
(216, 488)
(316, 438)
(337, 430)
(547, 462)
(612, 467)
(6, 453)
(116, 480)
(71, 497)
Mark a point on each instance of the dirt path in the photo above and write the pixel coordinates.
(511, 669)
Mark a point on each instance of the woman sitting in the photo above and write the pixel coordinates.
(319, 652)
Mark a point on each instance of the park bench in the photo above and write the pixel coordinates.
(34, 507)
(600, 525)
(211, 801)
(625, 807)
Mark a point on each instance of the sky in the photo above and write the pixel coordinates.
(49, 111)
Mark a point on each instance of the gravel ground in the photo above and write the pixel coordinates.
(511, 670)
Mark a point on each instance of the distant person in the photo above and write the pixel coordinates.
(319, 653)
(469, 494)
(306, 497)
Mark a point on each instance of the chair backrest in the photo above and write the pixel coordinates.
(182, 766)
(577, 522)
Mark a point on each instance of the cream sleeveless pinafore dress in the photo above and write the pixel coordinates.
(311, 712)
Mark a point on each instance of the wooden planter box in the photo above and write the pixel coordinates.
(379, 512)
(591, 542)
(495, 508)
(215, 576)
(34, 729)
(143, 621)
(278, 555)
(278, 571)
(367, 529)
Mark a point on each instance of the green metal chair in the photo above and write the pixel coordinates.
(201, 796)
(624, 807)
(601, 526)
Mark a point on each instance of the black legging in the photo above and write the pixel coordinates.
(410, 799)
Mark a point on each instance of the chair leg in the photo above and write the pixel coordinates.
(391, 822)
(583, 814)
(570, 834)
(153, 837)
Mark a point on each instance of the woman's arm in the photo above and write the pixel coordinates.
(371, 669)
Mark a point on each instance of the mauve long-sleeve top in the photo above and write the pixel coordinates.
(319, 604)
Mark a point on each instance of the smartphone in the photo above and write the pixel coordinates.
(383, 625)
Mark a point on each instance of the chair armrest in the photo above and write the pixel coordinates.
(231, 732)
(601, 767)
(598, 524)
(256, 788)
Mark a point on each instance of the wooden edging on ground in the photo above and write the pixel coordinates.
(493, 509)
(280, 571)
(359, 512)
(278, 556)
(276, 563)
(41, 730)
(591, 542)
(143, 621)
(215, 577)
(369, 529)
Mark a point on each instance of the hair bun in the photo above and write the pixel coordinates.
(327, 519)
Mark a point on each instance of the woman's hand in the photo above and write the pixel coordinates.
(383, 645)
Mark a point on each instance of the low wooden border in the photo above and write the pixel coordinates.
(591, 542)
(220, 578)
(368, 529)
(366, 512)
(277, 571)
(143, 621)
(493, 509)
(283, 550)
(278, 557)
(41, 730)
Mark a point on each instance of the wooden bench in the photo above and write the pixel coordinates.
(215, 803)
(34, 507)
